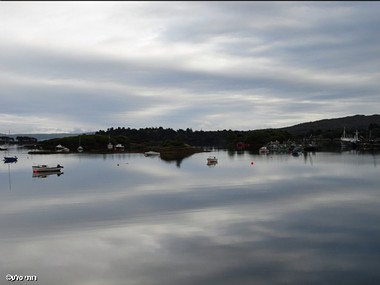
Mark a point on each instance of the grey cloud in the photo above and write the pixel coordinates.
(291, 51)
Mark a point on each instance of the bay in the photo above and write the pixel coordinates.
(250, 219)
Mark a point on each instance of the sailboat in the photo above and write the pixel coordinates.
(349, 141)
(110, 145)
(8, 158)
(5, 146)
(80, 148)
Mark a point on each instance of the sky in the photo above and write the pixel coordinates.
(87, 66)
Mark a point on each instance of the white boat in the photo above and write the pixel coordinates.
(110, 145)
(152, 153)
(3, 147)
(60, 148)
(46, 168)
(80, 148)
(212, 159)
(349, 141)
(119, 147)
(263, 150)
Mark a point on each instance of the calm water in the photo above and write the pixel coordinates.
(130, 219)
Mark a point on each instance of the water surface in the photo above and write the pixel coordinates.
(251, 219)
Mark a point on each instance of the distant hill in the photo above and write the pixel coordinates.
(360, 122)
(43, 137)
(326, 129)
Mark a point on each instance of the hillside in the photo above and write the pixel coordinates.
(335, 126)
(44, 136)
(327, 130)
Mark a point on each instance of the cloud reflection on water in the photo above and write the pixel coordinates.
(314, 225)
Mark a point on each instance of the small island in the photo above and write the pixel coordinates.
(105, 143)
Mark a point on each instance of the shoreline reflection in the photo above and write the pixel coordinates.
(132, 220)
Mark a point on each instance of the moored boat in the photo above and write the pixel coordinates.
(119, 147)
(61, 148)
(80, 148)
(46, 168)
(212, 159)
(263, 150)
(349, 141)
(151, 153)
(10, 158)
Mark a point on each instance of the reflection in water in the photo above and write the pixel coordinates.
(132, 220)
(177, 161)
(308, 157)
(9, 172)
(45, 174)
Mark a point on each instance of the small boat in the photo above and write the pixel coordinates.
(263, 150)
(212, 159)
(109, 145)
(46, 168)
(80, 148)
(349, 141)
(152, 153)
(3, 148)
(60, 148)
(10, 158)
(119, 147)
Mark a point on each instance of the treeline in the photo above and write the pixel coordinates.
(324, 132)
(89, 142)
(157, 137)
(220, 138)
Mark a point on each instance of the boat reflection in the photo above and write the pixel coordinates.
(46, 174)
(10, 161)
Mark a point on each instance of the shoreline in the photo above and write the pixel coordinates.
(165, 151)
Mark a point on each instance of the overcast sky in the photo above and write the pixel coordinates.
(86, 66)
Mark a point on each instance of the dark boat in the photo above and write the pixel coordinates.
(10, 158)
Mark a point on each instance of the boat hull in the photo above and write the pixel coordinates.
(40, 168)
(152, 153)
(10, 158)
(212, 160)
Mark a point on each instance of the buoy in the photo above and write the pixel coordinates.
(251, 162)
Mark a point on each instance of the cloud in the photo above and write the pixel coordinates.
(186, 64)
